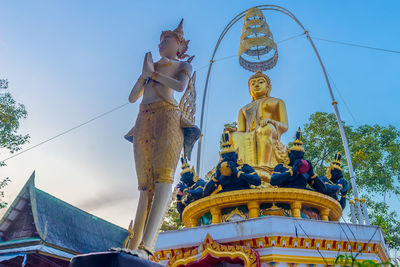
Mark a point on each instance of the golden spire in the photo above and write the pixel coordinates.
(226, 144)
(335, 164)
(298, 142)
(185, 166)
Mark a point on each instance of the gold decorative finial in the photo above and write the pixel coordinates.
(226, 144)
(297, 143)
(335, 164)
(186, 166)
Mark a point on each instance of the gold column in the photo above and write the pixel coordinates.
(216, 215)
(253, 207)
(324, 214)
(194, 222)
(296, 206)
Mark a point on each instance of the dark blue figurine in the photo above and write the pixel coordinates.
(190, 187)
(335, 182)
(299, 172)
(231, 175)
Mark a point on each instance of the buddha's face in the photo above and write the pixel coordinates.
(168, 46)
(259, 87)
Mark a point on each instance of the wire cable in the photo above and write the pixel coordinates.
(348, 239)
(67, 131)
(357, 45)
(342, 98)
(221, 59)
(320, 253)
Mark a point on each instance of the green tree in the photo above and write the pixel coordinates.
(375, 152)
(171, 220)
(321, 139)
(10, 140)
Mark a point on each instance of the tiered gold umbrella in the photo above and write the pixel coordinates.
(257, 50)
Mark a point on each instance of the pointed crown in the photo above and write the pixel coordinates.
(226, 144)
(297, 143)
(335, 164)
(186, 166)
(178, 34)
(337, 160)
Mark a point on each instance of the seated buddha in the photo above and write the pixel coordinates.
(260, 126)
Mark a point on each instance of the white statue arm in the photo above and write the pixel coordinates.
(178, 83)
(138, 88)
(182, 78)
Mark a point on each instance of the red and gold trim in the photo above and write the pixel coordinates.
(283, 242)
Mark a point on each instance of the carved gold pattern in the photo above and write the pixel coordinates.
(187, 105)
(249, 256)
(274, 210)
(227, 217)
(295, 197)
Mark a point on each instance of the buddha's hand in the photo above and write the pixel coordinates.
(148, 66)
(267, 121)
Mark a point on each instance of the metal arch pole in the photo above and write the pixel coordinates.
(342, 133)
(222, 35)
(334, 102)
(230, 24)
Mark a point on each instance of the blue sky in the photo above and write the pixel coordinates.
(68, 61)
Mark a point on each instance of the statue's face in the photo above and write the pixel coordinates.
(294, 155)
(259, 87)
(187, 178)
(231, 156)
(336, 175)
(168, 46)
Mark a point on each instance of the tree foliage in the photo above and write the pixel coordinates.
(171, 220)
(375, 152)
(10, 140)
(10, 115)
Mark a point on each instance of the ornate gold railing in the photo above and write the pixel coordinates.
(329, 208)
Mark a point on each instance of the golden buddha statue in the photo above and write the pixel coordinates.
(260, 126)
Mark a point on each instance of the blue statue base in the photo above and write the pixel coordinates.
(110, 259)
